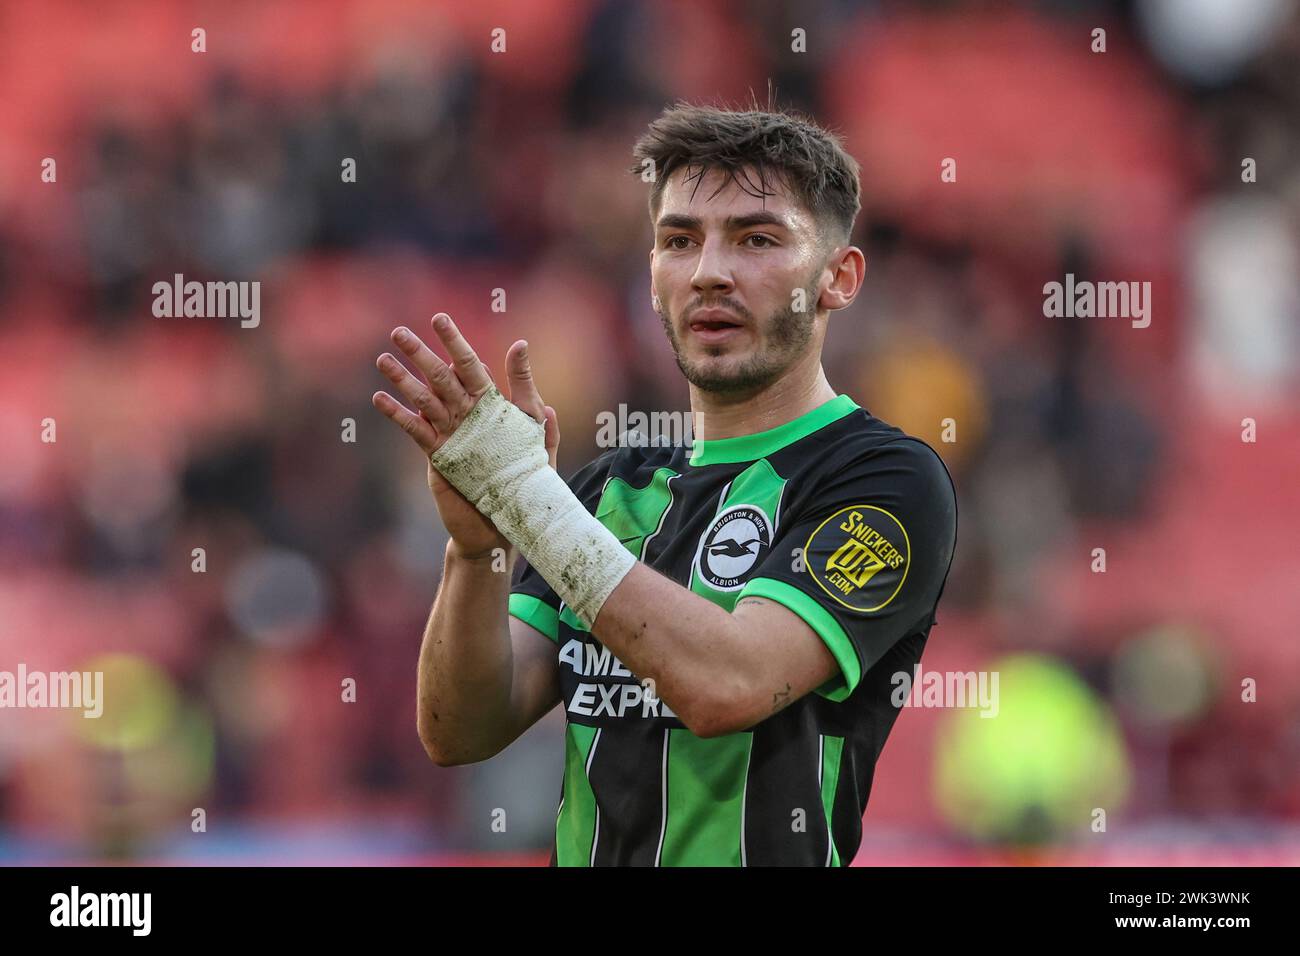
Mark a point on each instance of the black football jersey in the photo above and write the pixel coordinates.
(838, 516)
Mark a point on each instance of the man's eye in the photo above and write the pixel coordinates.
(765, 240)
(673, 239)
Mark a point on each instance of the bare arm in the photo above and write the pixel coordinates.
(720, 672)
(484, 677)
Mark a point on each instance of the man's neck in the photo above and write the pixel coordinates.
(793, 395)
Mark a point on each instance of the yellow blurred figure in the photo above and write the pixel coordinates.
(1051, 757)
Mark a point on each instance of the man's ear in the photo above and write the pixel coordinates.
(850, 267)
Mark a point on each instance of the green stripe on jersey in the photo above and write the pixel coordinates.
(832, 750)
(575, 825)
(706, 798)
(634, 514)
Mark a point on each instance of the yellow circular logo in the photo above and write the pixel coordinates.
(859, 556)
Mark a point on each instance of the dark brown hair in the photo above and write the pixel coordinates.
(810, 160)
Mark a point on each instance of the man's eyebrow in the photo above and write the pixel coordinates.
(673, 220)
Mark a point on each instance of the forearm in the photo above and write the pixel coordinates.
(694, 655)
(466, 666)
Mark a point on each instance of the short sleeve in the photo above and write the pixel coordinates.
(532, 600)
(875, 542)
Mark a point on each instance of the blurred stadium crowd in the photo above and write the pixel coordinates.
(479, 170)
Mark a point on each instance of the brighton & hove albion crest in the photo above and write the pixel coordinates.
(734, 545)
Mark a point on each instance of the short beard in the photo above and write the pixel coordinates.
(789, 334)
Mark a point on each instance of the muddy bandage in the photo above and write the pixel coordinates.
(497, 459)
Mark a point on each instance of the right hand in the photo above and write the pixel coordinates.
(473, 535)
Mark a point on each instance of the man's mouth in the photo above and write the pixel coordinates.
(714, 324)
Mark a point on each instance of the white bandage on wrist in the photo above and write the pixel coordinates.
(497, 459)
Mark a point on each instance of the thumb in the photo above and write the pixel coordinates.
(519, 379)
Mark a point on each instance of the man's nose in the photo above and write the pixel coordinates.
(712, 272)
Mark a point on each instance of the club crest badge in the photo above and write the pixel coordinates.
(734, 545)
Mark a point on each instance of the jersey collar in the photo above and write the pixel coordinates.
(722, 451)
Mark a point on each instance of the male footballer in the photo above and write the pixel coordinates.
(720, 622)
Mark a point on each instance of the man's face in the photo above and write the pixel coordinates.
(726, 271)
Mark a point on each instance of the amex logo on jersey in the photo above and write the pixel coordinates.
(859, 556)
(735, 543)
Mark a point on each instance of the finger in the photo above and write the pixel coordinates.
(415, 426)
(416, 392)
(439, 375)
(519, 379)
(471, 372)
(552, 434)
